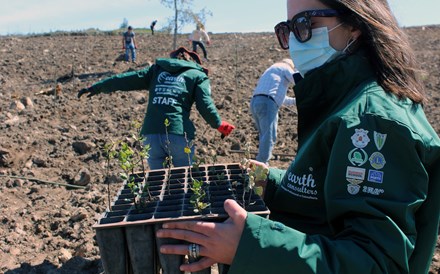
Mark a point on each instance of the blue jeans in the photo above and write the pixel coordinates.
(201, 45)
(159, 150)
(265, 114)
(130, 48)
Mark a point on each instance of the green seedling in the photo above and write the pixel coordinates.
(126, 161)
(169, 159)
(198, 196)
(187, 150)
(141, 194)
(221, 176)
(197, 162)
(233, 189)
(251, 174)
(212, 169)
(142, 151)
(130, 159)
(199, 192)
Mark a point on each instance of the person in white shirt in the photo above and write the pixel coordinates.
(197, 37)
(268, 96)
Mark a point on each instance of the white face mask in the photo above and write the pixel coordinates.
(313, 53)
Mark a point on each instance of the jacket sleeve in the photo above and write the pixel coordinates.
(273, 181)
(205, 104)
(370, 231)
(288, 74)
(289, 101)
(205, 36)
(133, 80)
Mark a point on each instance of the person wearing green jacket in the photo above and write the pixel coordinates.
(363, 193)
(174, 85)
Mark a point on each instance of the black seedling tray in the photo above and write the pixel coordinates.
(171, 193)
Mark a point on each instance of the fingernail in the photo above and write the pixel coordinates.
(159, 234)
(165, 225)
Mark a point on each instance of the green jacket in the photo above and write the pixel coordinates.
(174, 85)
(362, 195)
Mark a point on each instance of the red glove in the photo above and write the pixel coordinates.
(225, 129)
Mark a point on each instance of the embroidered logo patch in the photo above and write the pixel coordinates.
(377, 160)
(301, 185)
(358, 157)
(166, 78)
(375, 176)
(379, 140)
(360, 138)
(355, 173)
(353, 189)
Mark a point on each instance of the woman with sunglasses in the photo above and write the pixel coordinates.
(363, 193)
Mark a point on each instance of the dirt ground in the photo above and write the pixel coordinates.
(49, 136)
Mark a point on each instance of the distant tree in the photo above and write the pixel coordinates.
(183, 15)
(124, 24)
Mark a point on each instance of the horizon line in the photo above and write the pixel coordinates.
(91, 29)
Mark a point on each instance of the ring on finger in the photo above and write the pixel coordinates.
(194, 251)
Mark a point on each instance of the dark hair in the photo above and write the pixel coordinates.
(129, 27)
(386, 44)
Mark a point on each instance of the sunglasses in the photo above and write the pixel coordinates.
(300, 25)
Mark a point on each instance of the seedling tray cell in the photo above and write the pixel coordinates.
(172, 196)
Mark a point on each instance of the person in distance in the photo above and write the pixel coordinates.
(174, 85)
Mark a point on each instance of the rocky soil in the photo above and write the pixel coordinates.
(50, 139)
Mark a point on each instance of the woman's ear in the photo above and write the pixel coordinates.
(355, 33)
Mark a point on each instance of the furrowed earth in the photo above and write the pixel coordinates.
(48, 137)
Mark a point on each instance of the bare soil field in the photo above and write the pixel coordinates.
(49, 136)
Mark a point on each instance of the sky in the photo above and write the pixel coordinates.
(39, 16)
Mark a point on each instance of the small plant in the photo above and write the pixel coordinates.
(142, 151)
(251, 174)
(141, 194)
(197, 162)
(128, 162)
(219, 176)
(199, 193)
(130, 159)
(187, 151)
(197, 199)
(169, 159)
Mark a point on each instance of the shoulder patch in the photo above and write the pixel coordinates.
(360, 138)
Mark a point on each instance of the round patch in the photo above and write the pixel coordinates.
(353, 189)
(358, 157)
(377, 160)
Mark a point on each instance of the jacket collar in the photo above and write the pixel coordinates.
(324, 89)
(176, 65)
